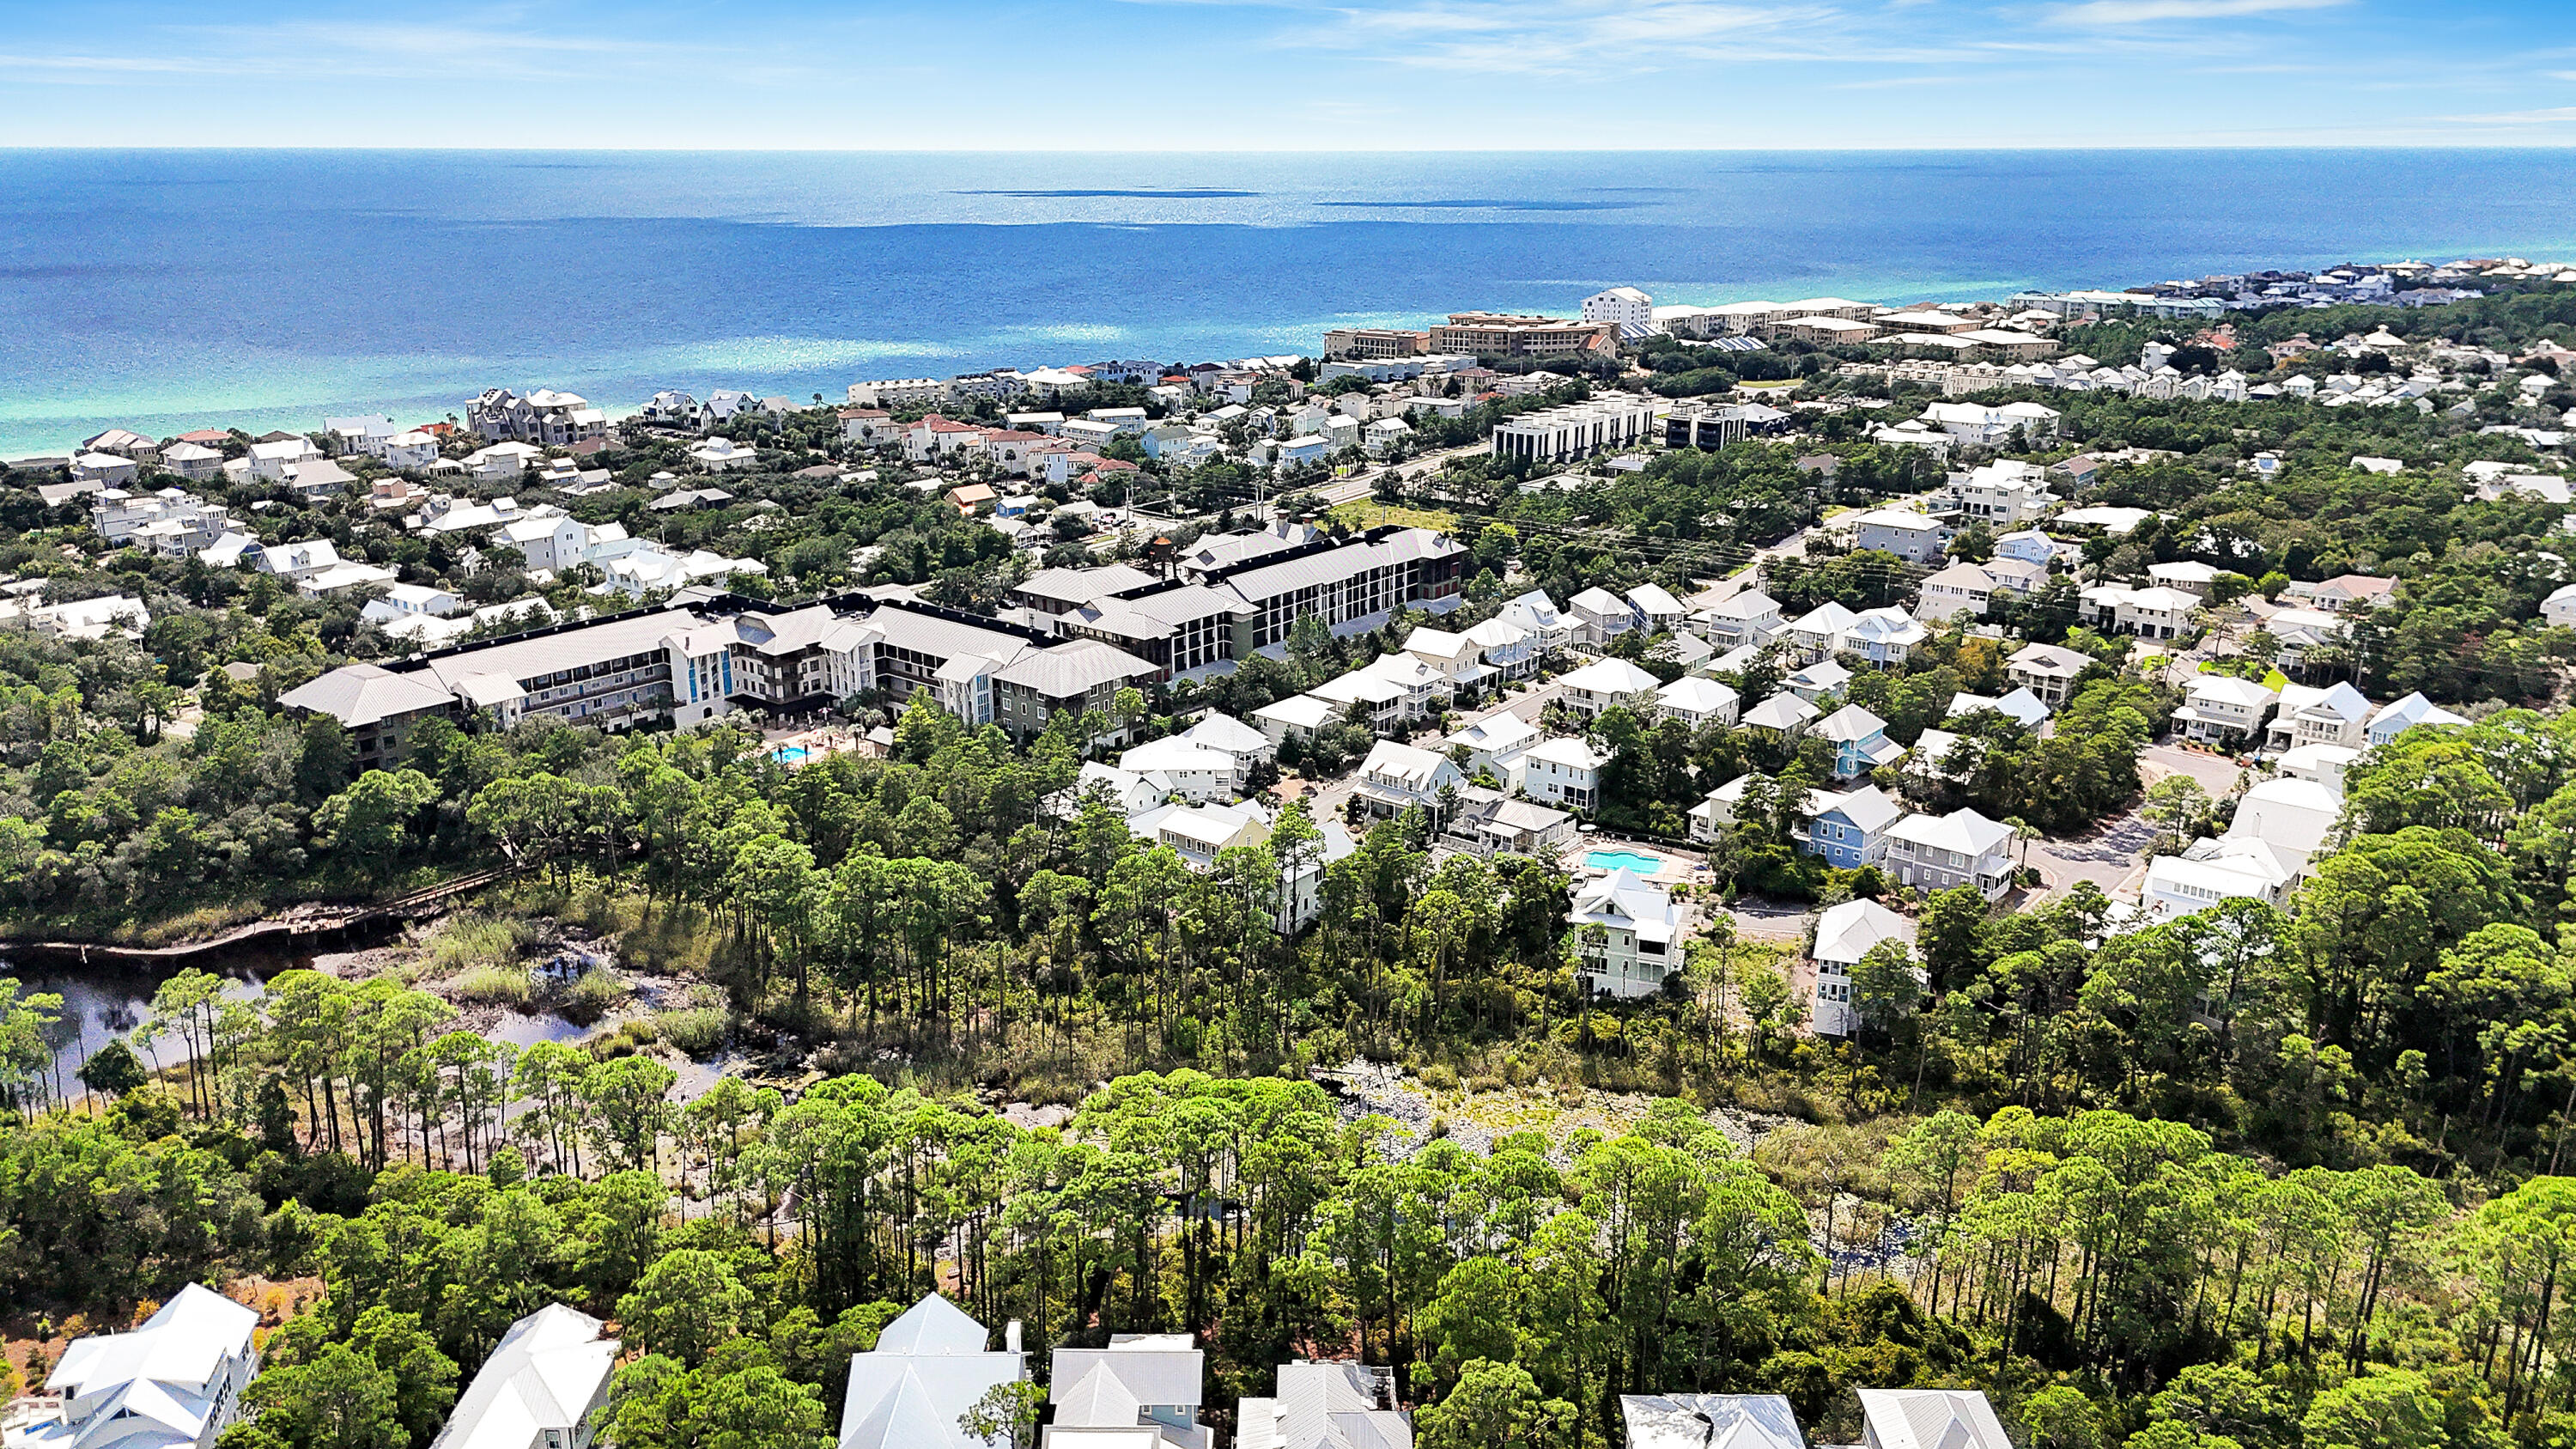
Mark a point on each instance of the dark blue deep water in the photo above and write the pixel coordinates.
(173, 289)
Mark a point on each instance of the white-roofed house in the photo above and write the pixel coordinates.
(2220, 707)
(1749, 618)
(1398, 777)
(2021, 706)
(1456, 656)
(1710, 1421)
(542, 1387)
(1656, 606)
(271, 460)
(1605, 682)
(1885, 637)
(1817, 633)
(1499, 743)
(2212, 871)
(1176, 765)
(929, 1367)
(1625, 930)
(1325, 1406)
(1960, 588)
(2324, 764)
(1938, 852)
(1298, 717)
(1250, 746)
(2560, 607)
(2293, 817)
(2398, 716)
(1696, 701)
(2047, 670)
(1783, 713)
(1820, 683)
(2332, 714)
(1859, 739)
(1147, 1382)
(1600, 616)
(1929, 1419)
(1710, 818)
(1917, 538)
(1844, 934)
(2189, 576)
(174, 1383)
(1564, 771)
(1849, 830)
(2149, 613)
(1506, 648)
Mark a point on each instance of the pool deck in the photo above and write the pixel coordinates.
(812, 745)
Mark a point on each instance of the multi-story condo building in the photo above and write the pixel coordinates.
(1504, 334)
(1374, 344)
(1576, 430)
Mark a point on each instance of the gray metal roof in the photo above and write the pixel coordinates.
(365, 694)
(570, 649)
(1075, 668)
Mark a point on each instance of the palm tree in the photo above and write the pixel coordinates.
(2023, 834)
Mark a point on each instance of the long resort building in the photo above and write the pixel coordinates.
(1097, 632)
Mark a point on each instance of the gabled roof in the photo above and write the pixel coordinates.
(929, 1367)
(1610, 676)
(1092, 1383)
(933, 1325)
(546, 1372)
(181, 1344)
(1869, 808)
(1225, 732)
(1963, 830)
(1695, 695)
(2229, 689)
(1711, 1421)
(1654, 599)
(1782, 711)
(1849, 723)
(1931, 1419)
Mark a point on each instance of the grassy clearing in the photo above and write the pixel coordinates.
(1368, 513)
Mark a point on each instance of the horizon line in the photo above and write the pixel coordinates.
(802, 150)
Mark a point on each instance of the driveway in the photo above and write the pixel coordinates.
(2112, 855)
(2216, 773)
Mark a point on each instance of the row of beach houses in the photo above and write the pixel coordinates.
(176, 1382)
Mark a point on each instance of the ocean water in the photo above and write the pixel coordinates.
(166, 290)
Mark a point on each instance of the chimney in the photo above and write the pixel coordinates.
(1011, 1336)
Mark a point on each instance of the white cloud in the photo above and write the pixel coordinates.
(2148, 12)
(2547, 116)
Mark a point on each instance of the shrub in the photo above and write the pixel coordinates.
(697, 1031)
(510, 985)
(593, 995)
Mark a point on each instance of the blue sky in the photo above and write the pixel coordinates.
(1289, 74)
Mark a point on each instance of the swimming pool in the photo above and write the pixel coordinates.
(1624, 860)
(790, 754)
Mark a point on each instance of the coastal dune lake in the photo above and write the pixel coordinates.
(166, 290)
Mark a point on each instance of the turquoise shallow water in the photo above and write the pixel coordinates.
(1624, 860)
(165, 290)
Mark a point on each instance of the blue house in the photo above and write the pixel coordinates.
(1859, 739)
(1850, 830)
